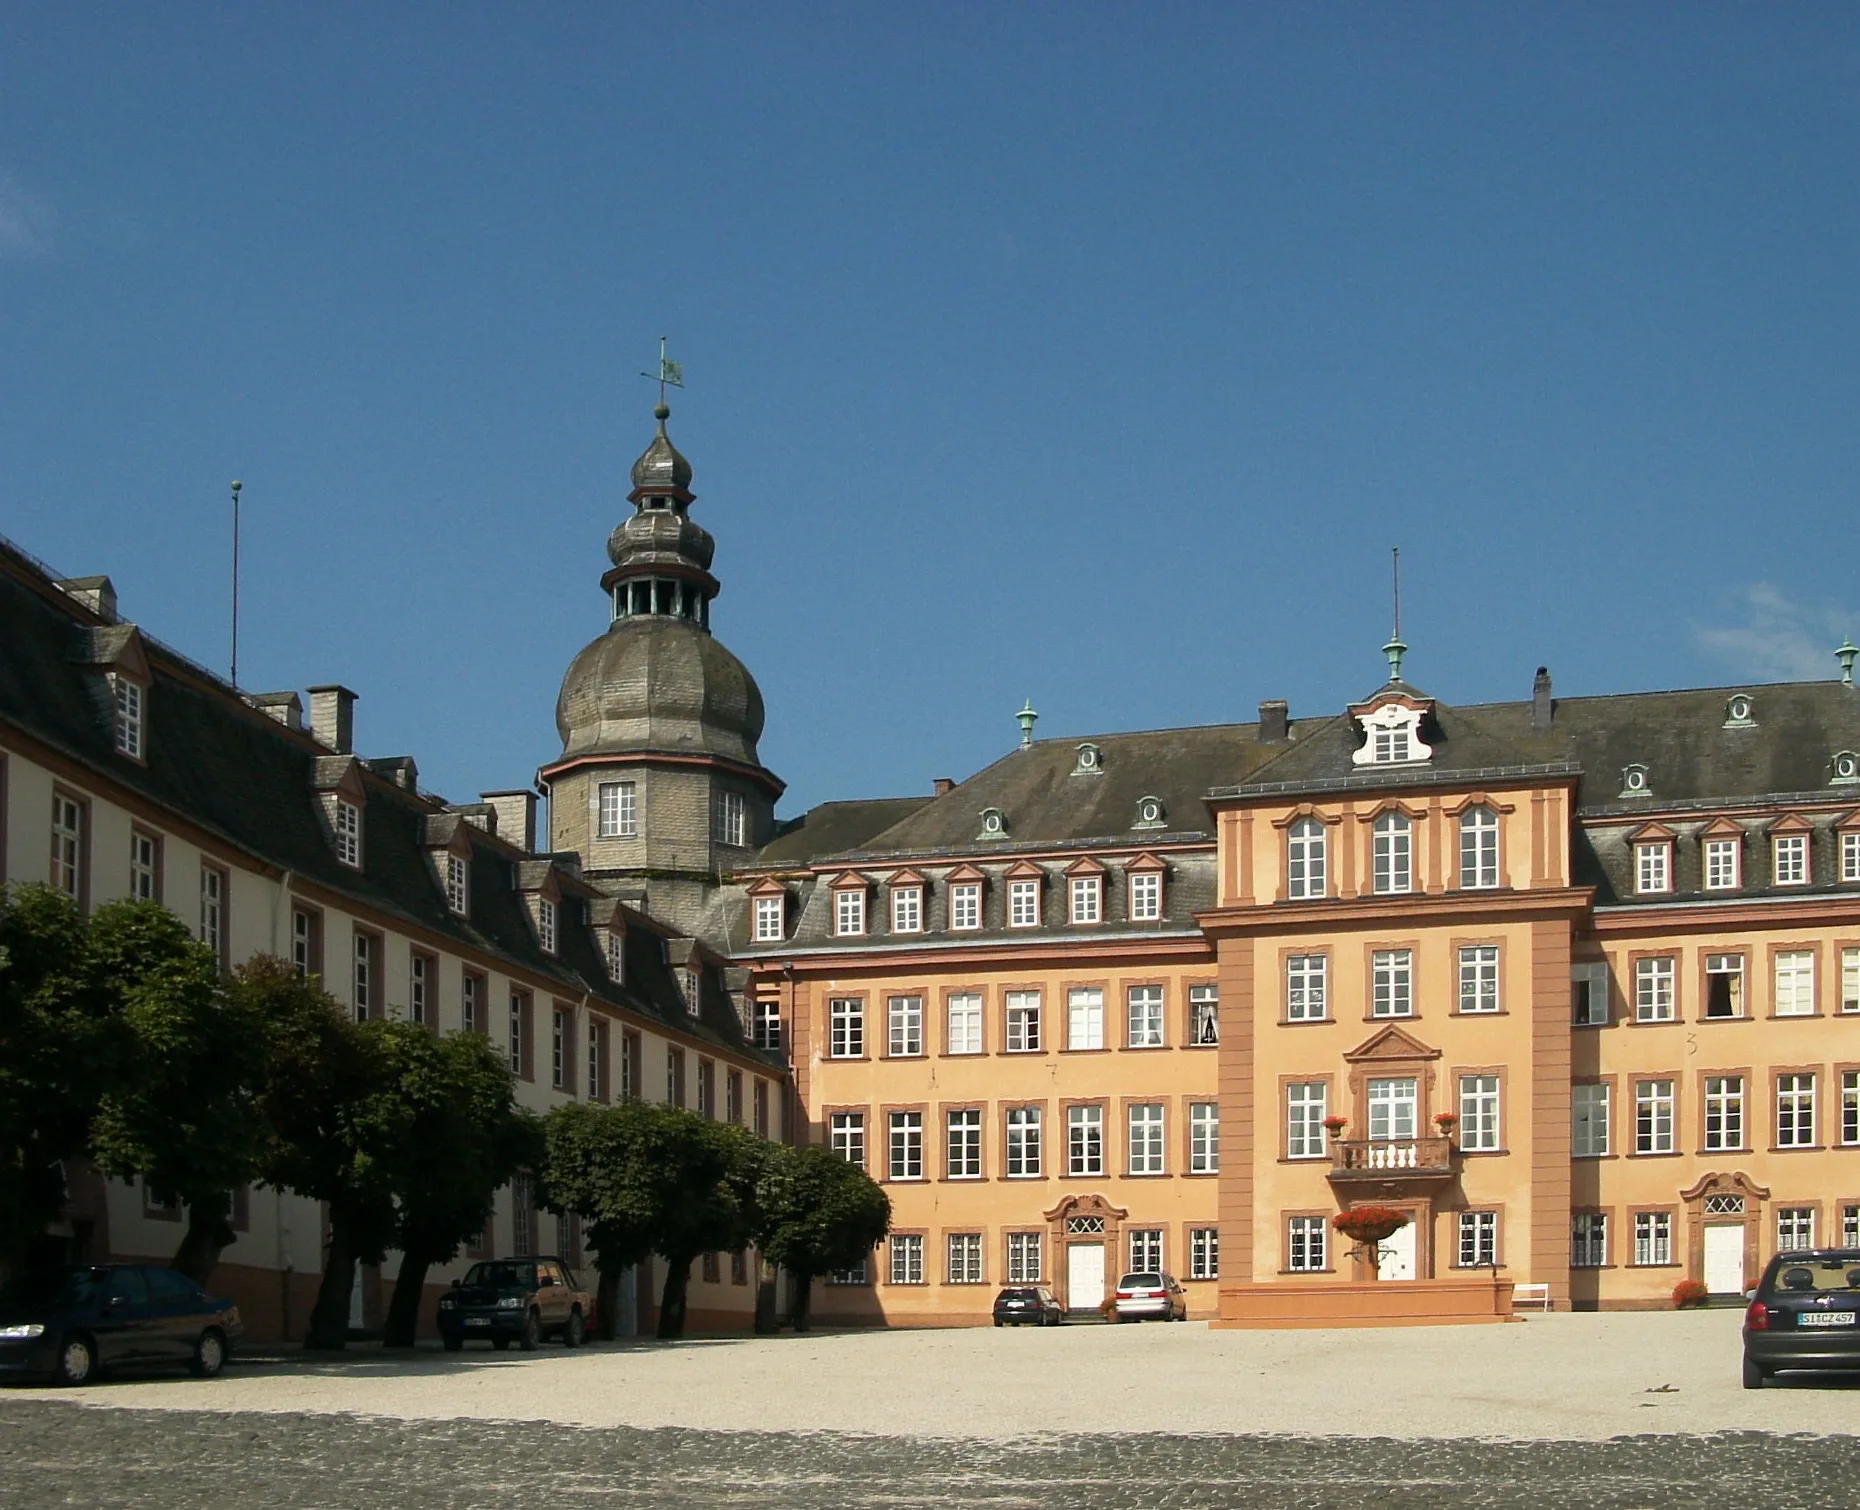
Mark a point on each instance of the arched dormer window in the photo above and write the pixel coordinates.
(1478, 848)
(1090, 761)
(1845, 767)
(1306, 860)
(994, 823)
(1392, 854)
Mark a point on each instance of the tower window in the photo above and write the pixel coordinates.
(727, 818)
(619, 810)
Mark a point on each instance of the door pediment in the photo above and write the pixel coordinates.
(1390, 1045)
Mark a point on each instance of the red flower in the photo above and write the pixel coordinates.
(1336, 1124)
(1689, 1292)
(1369, 1224)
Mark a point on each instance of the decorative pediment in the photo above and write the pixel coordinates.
(1087, 1205)
(1722, 828)
(1791, 823)
(1733, 1182)
(966, 873)
(1848, 821)
(1025, 870)
(1391, 805)
(1391, 1045)
(1391, 728)
(768, 886)
(1145, 861)
(1479, 799)
(1651, 833)
(904, 878)
(1306, 810)
(849, 880)
(1086, 866)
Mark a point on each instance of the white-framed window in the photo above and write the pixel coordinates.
(1085, 1140)
(519, 1035)
(964, 1023)
(859, 1274)
(904, 1019)
(1479, 978)
(363, 976)
(1306, 854)
(558, 1051)
(964, 1144)
(907, 1258)
(545, 924)
(1850, 856)
(619, 810)
(768, 1023)
(849, 911)
(1850, 1107)
(1088, 899)
(1145, 896)
(144, 866)
(1722, 864)
(1204, 1253)
(1654, 980)
(1306, 1104)
(597, 1060)
(846, 1136)
(1204, 1015)
(1146, 1249)
(1393, 744)
(1022, 1012)
(1795, 1111)
(213, 909)
(458, 886)
(1653, 1238)
(1085, 1018)
(1850, 980)
(1023, 1142)
(470, 988)
(1653, 867)
(965, 904)
(728, 819)
(306, 928)
(1392, 854)
(965, 1258)
(906, 1161)
(1653, 1116)
(846, 1027)
(1204, 1137)
(1391, 983)
(1795, 983)
(420, 971)
(1023, 904)
(1478, 848)
(1588, 1240)
(1479, 1122)
(1023, 1266)
(1850, 1226)
(1306, 1242)
(1477, 1246)
(1589, 995)
(1146, 1140)
(1394, 1109)
(128, 719)
(1795, 1228)
(1724, 1112)
(771, 923)
(613, 951)
(1789, 859)
(1724, 985)
(907, 909)
(1588, 1120)
(349, 834)
(1307, 987)
(1143, 1017)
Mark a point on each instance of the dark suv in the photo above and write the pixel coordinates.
(1805, 1314)
(520, 1300)
(70, 1323)
(1019, 1305)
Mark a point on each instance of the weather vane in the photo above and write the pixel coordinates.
(669, 375)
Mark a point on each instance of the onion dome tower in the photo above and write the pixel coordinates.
(659, 787)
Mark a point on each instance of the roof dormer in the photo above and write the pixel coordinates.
(1392, 724)
(341, 801)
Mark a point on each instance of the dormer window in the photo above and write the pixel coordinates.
(1737, 713)
(770, 922)
(1150, 813)
(1090, 761)
(616, 955)
(1024, 903)
(1391, 745)
(689, 985)
(1392, 735)
(1846, 768)
(1723, 870)
(458, 885)
(1145, 896)
(1088, 899)
(907, 909)
(1635, 781)
(965, 904)
(545, 924)
(1653, 866)
(994, 823)
(1789, 859)
(849, 911)
(348, 828)
(127, 718)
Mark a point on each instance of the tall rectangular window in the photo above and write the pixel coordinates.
(846, 1027)
(1204, 1137)
(1850, 980)
(1724, 985)
(1653, 989)
(1023, 1142)
(1589, 995)
(1087, 899)
(904, 1017)
(1653, 1238)
(1850, 1107)
(1795, 1228)
(558, 1049)
(619, 810)
(728, 819)
(1588, 1116)
(615, 955)
(519, 1035)
(1305, 1242)
(1795, 983)
(1479, 1124)
(768, 1023)
(965, 905)
(733, 1097)
(522, 1217)
(906, 1160)
(306, 942)
(1724, 1113)
(1085, 1140)
(1204, 1253)
(674, 1077)
(1305, 860)
(128, 720)
(907, 1258)
(964, 1023)
(1023, 1258)
(458, 886)
(68, 846)
(144, 866)
(1588, 1240)
(1722, 858)
(1653, 867)
(1022, 1010)
(849, 912)
(1394, 1109)
(1850, 1226)
(213, 910)
(964, 1132)
(1146, 1139)
(632, 1066)
(471, 997)
(768, 920)
(1085, 1018)
(1204, 1015)
(598, 1088)
(1653, 1116)
(421, 971)
(1391, 977)
(1478, 1240)
(965, 1258)
(1023, 904)
(1479, 978)
(907, 909)
(1146, 1249)
(707, 1088)
(1795, 1111)
(1478, 848)
(1789, 859)
(1305, 1108)
(362, 975)
(1145, 896)
(1143, 1017)
(846, 1136)
(349, 834)
(1850, 856)
(1307, 987)
(1392, 854)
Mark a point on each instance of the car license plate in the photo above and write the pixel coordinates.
(1825, 1318)
(477, 1321)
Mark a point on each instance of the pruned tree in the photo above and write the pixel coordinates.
(817, 1213)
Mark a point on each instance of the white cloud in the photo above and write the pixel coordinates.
(1778, 639)
(26, 221)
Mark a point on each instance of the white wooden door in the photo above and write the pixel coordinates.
(1724, 1258)
(1397, 1258)
(1084, 1276)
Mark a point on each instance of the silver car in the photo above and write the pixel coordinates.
(1149, 1295)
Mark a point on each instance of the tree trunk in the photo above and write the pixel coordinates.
(208, 1235)
(801, 1287)
(767, 1323)
(329, 1317)
(607, 1301)
(402, 1328)
(672, 1299)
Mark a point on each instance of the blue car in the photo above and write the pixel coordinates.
(67, 1324)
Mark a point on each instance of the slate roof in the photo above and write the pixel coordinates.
(833, 828)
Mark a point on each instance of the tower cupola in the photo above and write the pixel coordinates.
(661, 558)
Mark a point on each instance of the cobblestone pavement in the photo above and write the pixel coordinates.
(54, 1453)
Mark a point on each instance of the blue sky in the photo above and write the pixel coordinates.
(1088, 353)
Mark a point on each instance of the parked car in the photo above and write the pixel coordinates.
(1149, 1294)
(1019, 1305)
(67, 1324)
(520, 1300)
(1804, 1314)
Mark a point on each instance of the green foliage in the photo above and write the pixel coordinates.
(818, 1212)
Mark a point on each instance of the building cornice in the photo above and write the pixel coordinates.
(1411, 908)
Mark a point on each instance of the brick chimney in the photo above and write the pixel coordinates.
(332, 717)
(1542, 708)
(1274, 722)
(942, 787)
(516, 817)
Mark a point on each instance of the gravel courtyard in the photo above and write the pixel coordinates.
(1619, 1410)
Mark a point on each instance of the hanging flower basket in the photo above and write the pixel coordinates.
(1446, 1122)
(1335, 1125)
(1370, 1225)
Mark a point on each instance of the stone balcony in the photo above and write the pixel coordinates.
(1384, 1161)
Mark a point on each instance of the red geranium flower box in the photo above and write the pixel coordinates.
(1369, 1224)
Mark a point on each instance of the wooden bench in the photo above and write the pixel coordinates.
(1531, 1295)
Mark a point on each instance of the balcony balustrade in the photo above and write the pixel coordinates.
(1391, 1158)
